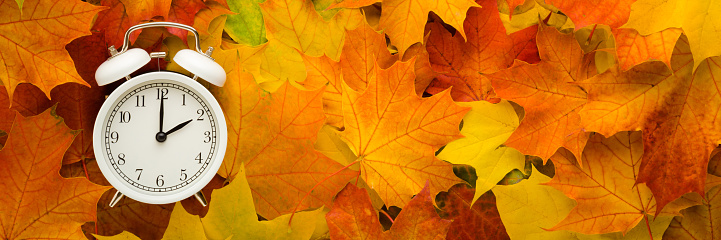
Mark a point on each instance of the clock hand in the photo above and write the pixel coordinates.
(176, 128)
(162, 112)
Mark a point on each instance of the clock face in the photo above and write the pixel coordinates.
(160, 137)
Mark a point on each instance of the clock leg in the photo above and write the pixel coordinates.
(201, 198)
(116, 198)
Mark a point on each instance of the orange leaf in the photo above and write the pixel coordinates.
(123, 14)
(548, 95)
(479, 221)
(273, 134)
(353, 217)
(461, 63)
(32, 41)
(613, 13)
(147, 221)
(79, 105)
(634, 49)
(183, 11)
(605, 188)
(403, 20)
(512, 4)
(36, 201)
(362, 49)
(675, 108)
(353, 3)
(322, 70)
(394, 131)
(29, 101)
(698, 222)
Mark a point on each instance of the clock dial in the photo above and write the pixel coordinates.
(160, 137)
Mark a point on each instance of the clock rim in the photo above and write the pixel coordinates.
(181, 193)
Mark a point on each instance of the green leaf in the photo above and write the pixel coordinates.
(246, 27)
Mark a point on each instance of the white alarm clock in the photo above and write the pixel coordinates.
(159, 137)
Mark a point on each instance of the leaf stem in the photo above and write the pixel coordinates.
(316, 185)
(388, 216)
(591, 35)
(650, 234)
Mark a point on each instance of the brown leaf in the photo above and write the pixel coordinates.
(36, 201)
(480, 221)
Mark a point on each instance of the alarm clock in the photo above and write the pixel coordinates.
(160, 137)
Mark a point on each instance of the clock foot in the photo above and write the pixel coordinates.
(116, 198)
(201, 198)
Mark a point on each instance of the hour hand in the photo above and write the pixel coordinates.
(176, 128)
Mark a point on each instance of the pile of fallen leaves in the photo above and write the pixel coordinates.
(385, 119)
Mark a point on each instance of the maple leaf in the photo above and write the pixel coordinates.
(632, 48)
(675, 108)
(183, 12)
(403, 20)
(479, 220)
(232, 215)
(37, 202)
(548, 95)
(530, 207)
(321, 71)
(32, 42)
(613, 13)
(123, 14)
(486, 127)
(77, 104)
(488, 49)
(298, 25)
(607, 179)
(698, 222)
(29, 101)
(273, 134)
(353, 217)
(361, 50)
(394, 131)
(697, 19)
(147, 221)
(247, 26)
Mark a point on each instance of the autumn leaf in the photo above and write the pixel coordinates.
(613, 13)
(79, 105)
(183, 12)
(698, 222)
(322, 71)
(697, 19)
(353, 217)
(394, 131)
(123, 14)
(461, 64)
(33, 42)
(403, 20)
(298, 25)
(479, 220)
(147, 221)
(606, 181)
(363, 48)
(273, 134)
(674, 108)
(37, 202)
(29, 101)
(232, 214)
(632, 48)
(548, 95)
(247, 26)
(486, 127)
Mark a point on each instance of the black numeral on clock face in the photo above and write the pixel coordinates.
(207, 137)
(199, 158)
(159, 181)
(114, 137)
(201, 113)
(140, 172)
(124, 116)
(121, 159)
(162, 92)
(183, 99)
(140, 101)
(183, 175)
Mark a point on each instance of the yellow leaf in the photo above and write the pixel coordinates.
(486, 127)
(404, 20)
(699, 20)
(324, 71)
(32, 42)
(297, 24)
(396, 134)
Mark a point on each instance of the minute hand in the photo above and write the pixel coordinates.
(176, 128)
